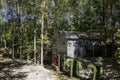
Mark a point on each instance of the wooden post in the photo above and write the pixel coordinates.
(59, 61)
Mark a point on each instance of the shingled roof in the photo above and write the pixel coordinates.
(78, 35)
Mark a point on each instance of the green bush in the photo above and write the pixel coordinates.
(117, 54)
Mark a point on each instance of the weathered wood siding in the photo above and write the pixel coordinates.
(59, 44)
(75, 49)
(72, 44)
(71, 48)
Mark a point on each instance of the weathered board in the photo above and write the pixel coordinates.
(71, 48)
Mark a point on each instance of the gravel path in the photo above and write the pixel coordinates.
(16, 70)
(34, 72)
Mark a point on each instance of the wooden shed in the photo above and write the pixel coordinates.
(76, 45)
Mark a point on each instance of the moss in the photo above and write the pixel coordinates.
(93, 69)
(78, 67)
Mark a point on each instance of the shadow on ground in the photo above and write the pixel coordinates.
(7, 69)
(112, 69)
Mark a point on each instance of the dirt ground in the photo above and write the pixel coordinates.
(111, 69)
(23, 70)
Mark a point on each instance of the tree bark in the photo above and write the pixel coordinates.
(42, 26)
(35, 47)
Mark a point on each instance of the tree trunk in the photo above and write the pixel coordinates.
(20, 49)
(42, 26)
(28, 57)
(35, 47)
(5, 44)
(13, 49)
(13, 33)
(1, 42)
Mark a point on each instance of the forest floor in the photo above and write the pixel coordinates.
(22, 70)
(111, 69)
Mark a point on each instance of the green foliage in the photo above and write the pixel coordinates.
(46, 40)
(79, 67)
(68, 65)
(67, 62)
(1, 55)
(72, 15)
(99, 62)
(117, 54)
(93, 69)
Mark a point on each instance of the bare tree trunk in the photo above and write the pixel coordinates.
(13, 49)
(35, 47)
(42, 39)
(12, 26)
(1, 42)
(2, 5)
(20, 49)
(4, 40)
(5, 44)
(42, 26)
(20, 25)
